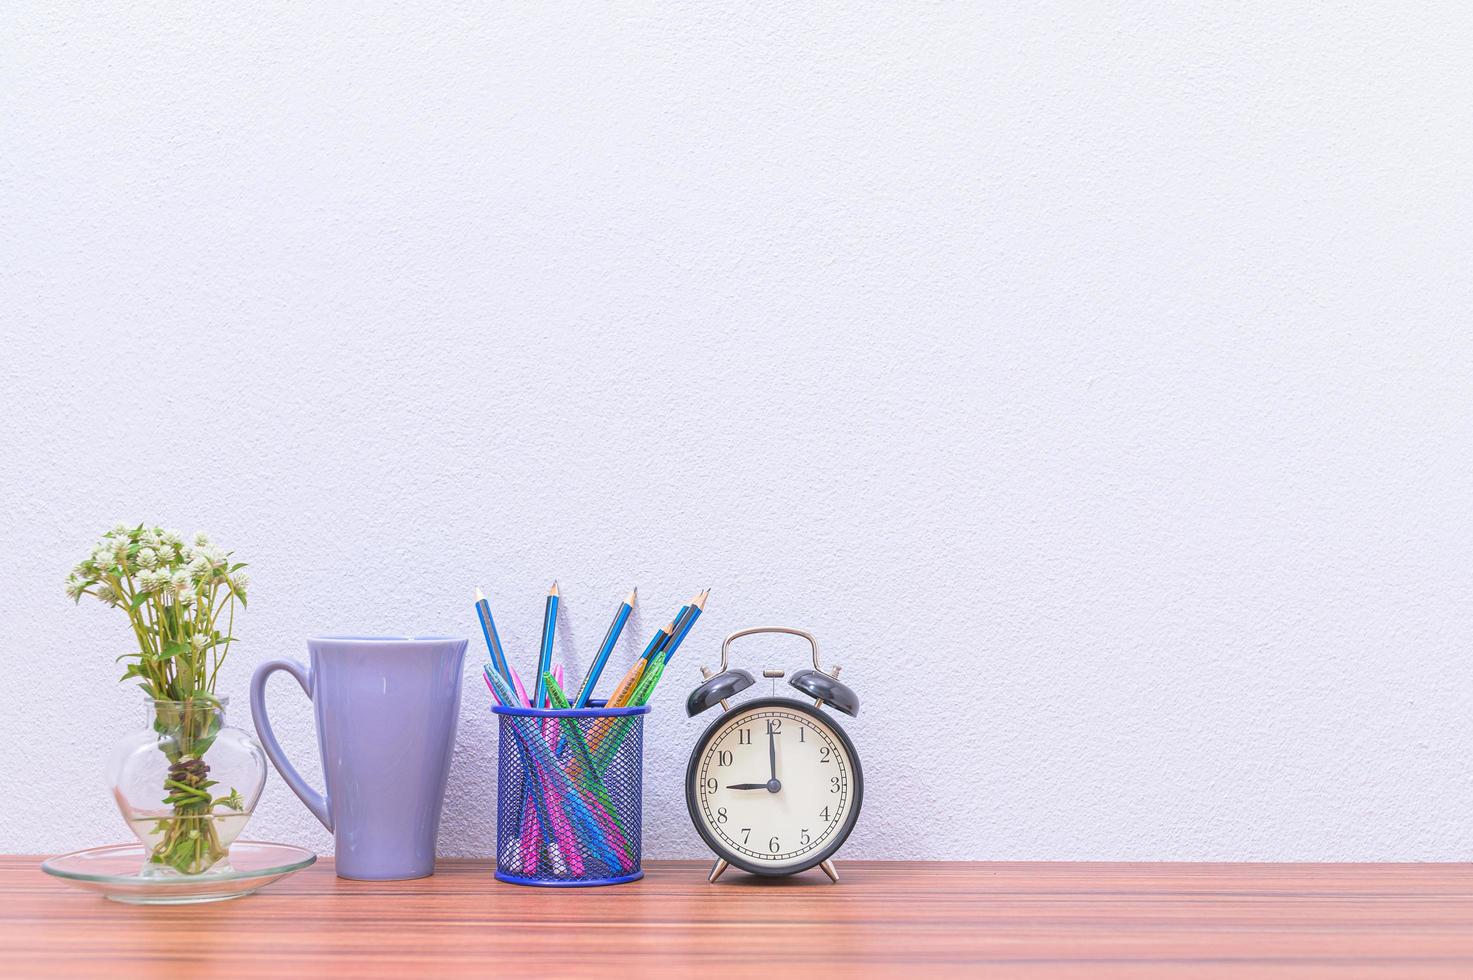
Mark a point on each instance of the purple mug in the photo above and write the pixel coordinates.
(386, 710)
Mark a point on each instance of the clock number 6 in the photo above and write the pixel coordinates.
(774, 846)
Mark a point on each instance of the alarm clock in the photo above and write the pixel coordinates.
(773, 785)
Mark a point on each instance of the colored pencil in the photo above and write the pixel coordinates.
(608, 747)
(556, 786)
(516, 680)
(621, 616)
(544, 658)
(696, 606)
(674, 625)
(586, 768)
(641, 695)
(628, 682)
(541, 805)
(569, 825)
(549, 725)
(493, 641)
(649, 677)
(626, 685)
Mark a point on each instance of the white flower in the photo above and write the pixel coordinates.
(240, 580)
(174, 538)
(179, 581)
(202, 539)
(197, 566)
(106, 594)
(187, 597)
(198, 641)
(74, 587)
(102, 558)
(150, 538)
(120, 529)
(148, 558)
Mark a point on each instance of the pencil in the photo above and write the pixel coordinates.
(551, 786)
(674, 624)
(544, 659)
(658, 640)
(493, 641)
(543, 805)
(592, 784)
(626, 685)
(621, 616)
(516, 680)
(696, 606)
(607, 748)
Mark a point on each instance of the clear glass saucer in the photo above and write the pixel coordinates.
(114, 872)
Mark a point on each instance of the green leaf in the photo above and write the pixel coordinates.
(138, 600)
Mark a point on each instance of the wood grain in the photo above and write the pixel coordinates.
(945, 919)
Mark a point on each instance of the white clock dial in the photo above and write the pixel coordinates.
(774, 785)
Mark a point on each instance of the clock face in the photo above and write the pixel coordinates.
(774, 786)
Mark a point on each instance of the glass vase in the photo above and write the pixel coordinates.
(187, 785)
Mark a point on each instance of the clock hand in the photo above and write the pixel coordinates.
(748, 786)
(772, 784)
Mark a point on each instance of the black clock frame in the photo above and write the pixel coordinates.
(738, 861)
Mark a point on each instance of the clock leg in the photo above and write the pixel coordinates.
(719, 868)
(828, 869)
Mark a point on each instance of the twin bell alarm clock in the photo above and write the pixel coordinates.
(773, 785)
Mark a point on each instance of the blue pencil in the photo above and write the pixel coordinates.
(544, 658)
(607, 647)
(493, 642)
(531, 742)
(656, 641)
(674, 642)
(679, 620)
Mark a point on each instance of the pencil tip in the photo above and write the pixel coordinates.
(553, 590)
(479, 594)
(701, 600)
(633, 595)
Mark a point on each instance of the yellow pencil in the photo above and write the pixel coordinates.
(626, 685)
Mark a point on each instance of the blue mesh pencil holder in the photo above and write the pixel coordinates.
(569, 795)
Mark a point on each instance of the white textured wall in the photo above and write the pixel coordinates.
(1094, 379)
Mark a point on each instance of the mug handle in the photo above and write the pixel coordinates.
(316, 802)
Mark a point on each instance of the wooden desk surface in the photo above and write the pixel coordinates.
(1037, 920)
